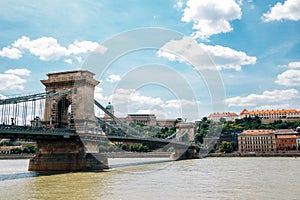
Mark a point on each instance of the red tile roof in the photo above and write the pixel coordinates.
(287, 136)
(262, 112)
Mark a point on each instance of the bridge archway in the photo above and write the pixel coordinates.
(64, 113)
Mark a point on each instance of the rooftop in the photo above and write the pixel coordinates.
(287, 136)
(257, 132)
(261, 112)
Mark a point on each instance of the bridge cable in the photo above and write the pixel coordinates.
(24, 113)
(34, 109)
(41, 109)
(2, 113)
(63, 102)
(8, 114)
(16, 113)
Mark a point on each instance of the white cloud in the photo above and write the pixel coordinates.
(131, 96)
(11, 82)
(211, 17)
(121, 96)
(274, 107)
(79, 59)
(12, 53)
(160, 114)
(178, 5)
(289, 78)
(69, 61)
(113, 78)
(18, 72)
(205, 56)
(100, 49)
(266, 97)
(139, 99)
(227, 58)
(99, 94)
(82, 47)
(179, 103)
(294, 65)
(48, 48)
(289, 10)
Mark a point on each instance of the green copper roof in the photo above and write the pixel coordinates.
(109, 106)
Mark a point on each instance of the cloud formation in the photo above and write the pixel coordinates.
(289, 10)
(205, 56)
(48, 48)
(11, 53)
(290, 77)
(11, 79)
(266, 97)
(19, 72)
(294, 65)
(113, 78)
(211, 17)
(178, 103)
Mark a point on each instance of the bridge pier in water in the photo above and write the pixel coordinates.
(66, 155)
(180, 153)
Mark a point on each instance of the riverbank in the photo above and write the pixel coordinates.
(256, 154)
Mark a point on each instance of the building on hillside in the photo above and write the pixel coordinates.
(285, 132)
(271, 114)
(168, 122)
(257, 141)
(145, 119)
(228, 116)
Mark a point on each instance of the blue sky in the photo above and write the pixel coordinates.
(200, 56)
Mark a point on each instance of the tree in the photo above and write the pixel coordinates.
(124, 147)
(16, 151)
(29, 149)
(226, 147)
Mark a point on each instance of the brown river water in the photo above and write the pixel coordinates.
(158, 178)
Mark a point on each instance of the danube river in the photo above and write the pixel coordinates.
(209, 178)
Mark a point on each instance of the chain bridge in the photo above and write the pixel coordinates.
(62, 121)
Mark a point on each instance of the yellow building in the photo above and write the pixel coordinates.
(257, 141)
(271, 114)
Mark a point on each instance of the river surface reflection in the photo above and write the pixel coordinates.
(209, 178)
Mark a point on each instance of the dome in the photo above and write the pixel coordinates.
(109, 106)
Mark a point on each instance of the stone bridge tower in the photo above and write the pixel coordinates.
(74, 110)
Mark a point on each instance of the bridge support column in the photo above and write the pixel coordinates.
(66, 155)
(184, 154)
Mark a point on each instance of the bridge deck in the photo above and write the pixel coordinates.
(34, 133)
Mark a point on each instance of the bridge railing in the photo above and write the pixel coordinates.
(29, 129)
